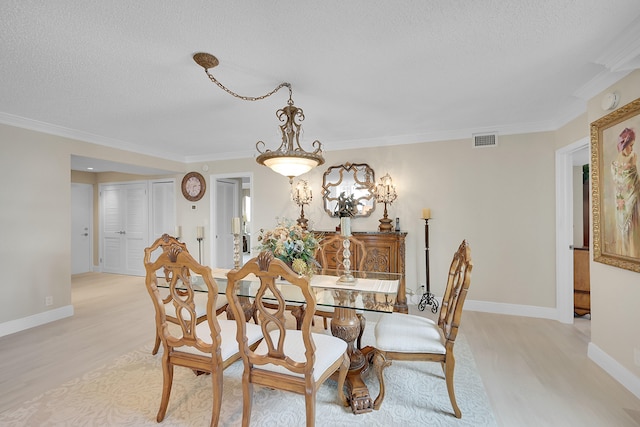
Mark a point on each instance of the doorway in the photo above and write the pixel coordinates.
(566, 158)
(227, 203)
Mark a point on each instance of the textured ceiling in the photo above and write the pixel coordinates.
(120, 73)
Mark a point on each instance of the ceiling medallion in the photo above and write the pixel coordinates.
(290, 159)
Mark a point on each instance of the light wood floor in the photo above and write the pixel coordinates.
(535, 371)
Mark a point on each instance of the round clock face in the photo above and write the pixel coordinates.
(193, 186)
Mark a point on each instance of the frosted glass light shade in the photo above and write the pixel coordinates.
(291, 166)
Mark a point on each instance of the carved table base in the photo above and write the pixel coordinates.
(346, 326)
(248, 308)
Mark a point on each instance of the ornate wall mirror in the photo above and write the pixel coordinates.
(352, 179)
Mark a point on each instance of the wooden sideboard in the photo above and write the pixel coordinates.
(385, 253)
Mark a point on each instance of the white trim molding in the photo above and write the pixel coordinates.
(512, 309)
(614, 368)
(28, 322)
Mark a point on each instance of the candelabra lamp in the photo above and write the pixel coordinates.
(301, 195)
(427, 297)
(385, 192)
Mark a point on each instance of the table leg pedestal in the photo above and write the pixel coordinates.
(346, 326)
(247, 306)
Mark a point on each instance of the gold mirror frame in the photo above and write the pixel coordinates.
(608, 201)
(356, 179)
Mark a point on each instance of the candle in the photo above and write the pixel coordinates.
(200, 232)
(426, 213)
(345, 226)
(178, 232)
(235, 225)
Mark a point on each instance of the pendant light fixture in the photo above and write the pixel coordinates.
(289, 159)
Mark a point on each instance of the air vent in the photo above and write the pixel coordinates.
(485, 140)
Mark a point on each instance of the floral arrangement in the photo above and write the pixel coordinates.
(292, 244)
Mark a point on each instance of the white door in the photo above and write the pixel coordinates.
(163, 208)
(125, 225)
(564, 227)
(81, 228)
(226, 207)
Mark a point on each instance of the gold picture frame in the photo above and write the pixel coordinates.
(615, 188)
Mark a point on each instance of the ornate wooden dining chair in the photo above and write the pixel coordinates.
(330, 255)
(164, 242)
(205, 347)
(408, 337)
(287, 359)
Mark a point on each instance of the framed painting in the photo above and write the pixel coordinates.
(615, 188)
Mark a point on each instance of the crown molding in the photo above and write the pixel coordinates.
(48, 128)
(623, 53)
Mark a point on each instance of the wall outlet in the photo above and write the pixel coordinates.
(48, 301)
(636, 356)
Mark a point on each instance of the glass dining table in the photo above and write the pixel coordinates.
(368, 292)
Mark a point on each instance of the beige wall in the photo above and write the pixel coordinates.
(500, 199)
(35, 220)
(35, 196)
(615, 292)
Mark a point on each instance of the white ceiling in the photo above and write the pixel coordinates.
(366, 72)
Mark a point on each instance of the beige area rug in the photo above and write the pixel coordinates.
(127, 393)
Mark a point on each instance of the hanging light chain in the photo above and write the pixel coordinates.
(287, 160)
(252, 98)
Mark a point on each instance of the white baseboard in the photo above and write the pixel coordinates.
(512, 309)
(18, 325)
(615, 369)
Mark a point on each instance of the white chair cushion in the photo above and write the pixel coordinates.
(229, 346)
(405, 333)
(328, 350)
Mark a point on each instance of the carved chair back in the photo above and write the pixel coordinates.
(193, 344)
(165, 242)
(286, 359)
(270, 309)
(455, 293)
(410, 337)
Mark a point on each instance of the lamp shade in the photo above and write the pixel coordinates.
(291, 166)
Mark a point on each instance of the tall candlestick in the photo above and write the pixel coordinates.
(427, 297)
(199, 238)
(345, 229)
(235, 225)
(345, 226)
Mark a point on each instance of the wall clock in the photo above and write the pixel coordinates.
(193, 186)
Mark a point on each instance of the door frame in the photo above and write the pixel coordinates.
(212, 206)
(564, 228)
(89, 189)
